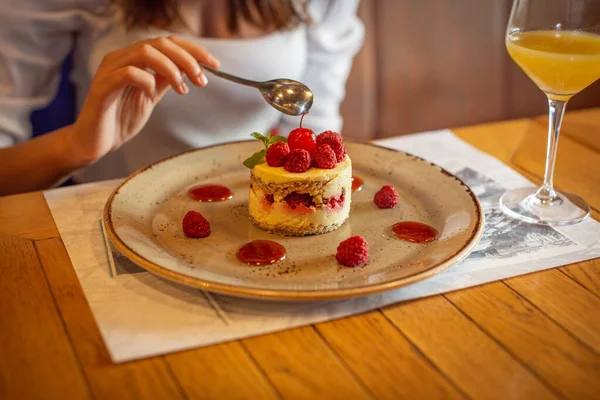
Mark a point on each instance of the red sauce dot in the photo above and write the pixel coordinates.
(415, 232)
(357, 183)
(210, 193)
(261, 252)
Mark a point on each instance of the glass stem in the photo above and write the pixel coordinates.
(556, 110)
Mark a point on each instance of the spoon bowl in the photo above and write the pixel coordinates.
(285, 95)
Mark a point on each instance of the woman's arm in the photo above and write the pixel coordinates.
(122, 95)
(333, 40)
(38, 164)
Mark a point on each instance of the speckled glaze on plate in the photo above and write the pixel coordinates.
(143, 220)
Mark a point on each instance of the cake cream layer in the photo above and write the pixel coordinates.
(275, 215)
(320, 183)
(280, 175)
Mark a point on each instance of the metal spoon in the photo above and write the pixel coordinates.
(285, 95)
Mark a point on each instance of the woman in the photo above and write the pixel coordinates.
(136, 71)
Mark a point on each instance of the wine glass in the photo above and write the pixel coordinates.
(557, 44)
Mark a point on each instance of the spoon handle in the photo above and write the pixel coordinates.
(230, 77)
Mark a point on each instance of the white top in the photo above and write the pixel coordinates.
(36, 35)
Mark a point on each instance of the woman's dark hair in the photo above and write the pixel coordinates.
(266, 14)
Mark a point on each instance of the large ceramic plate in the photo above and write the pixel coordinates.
(143, 220)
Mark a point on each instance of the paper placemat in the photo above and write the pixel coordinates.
(140, 315)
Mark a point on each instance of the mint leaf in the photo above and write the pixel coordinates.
(264, 139)
(255, 159)
(275, 139)
(259, 157)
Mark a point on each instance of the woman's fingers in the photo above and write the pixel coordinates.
(162, 86)
(198, 52)
(132, 76)
(167, 57)
(145, 56)
(148, 56)
(182, 58)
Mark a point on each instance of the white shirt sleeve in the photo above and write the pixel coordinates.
(334, 38)
(35, 37)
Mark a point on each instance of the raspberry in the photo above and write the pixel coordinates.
(270, 198)
(298, 161)
(277, 153)
(336, 202)
(299, 199)
(386, 197)
(195, 225)
(324, 157)
(353, 251)
(302, 138)
(335, 141)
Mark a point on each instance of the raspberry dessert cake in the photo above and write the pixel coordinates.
(302, 187)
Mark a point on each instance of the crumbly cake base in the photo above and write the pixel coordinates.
(280, 190)
(305, 231)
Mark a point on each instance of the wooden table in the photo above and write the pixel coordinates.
(530, 337)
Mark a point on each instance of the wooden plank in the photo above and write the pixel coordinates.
(452, 75)
(587, 274)
(301, 366)
(582, 126)
(562, 361)
(224, 371)
(563, 300)
(359, 107)
(27, 216)
(574, 164)
(500, 140)
(471, 359)
(144, 379)
(38, 360)
(384, 360)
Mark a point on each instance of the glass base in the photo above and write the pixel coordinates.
(525, 205)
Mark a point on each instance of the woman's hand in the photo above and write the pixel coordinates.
(124, 93)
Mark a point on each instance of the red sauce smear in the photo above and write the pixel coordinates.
(357, 183)
(415, 232)
(261, 252)
(210, 193)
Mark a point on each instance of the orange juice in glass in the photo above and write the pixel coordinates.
(561, 63)
(557, 44)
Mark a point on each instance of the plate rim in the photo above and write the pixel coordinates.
(282, 294)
